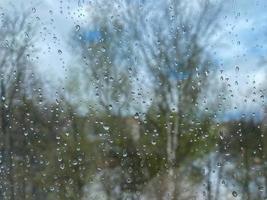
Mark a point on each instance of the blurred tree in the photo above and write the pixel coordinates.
(178, 66)
(177, 60)
(16, 77)
(243, 141)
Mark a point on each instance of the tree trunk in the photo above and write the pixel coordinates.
(246, 191)
(209, 180)
(219, 178)
(172, 143)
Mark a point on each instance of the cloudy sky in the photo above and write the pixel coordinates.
(242, 44)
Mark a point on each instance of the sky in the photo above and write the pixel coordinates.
(243, 35)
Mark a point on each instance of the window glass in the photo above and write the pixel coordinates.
(141, 99)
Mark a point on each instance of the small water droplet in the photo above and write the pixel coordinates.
(136, 116)
(62, 166)
(261, 188)
(77, 27)
(129, 180)
(106, 127)
(124, 154)
(234, 193)
(74, 162)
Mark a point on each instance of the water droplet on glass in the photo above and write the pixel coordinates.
(124, 154)
(234, 193)
(261, 188)
(75, 162)
(106, 128)
(129, 180)
(77, 27)
(62, 166)
(136, 116)
(219, 164)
